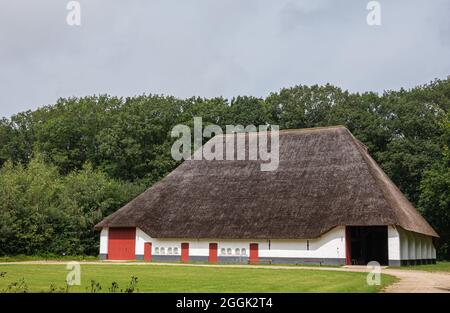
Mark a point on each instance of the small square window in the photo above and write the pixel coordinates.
(229, 251)
(163, 251)
(237, 251)
(157, 250)
(222, 251)
(169, 251)
(175, 250)
(243, 251)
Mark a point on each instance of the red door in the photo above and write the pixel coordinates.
(212, 253)
(185, 252)
(348, 246)
(121, 243)
(253, 253)
(148, 251)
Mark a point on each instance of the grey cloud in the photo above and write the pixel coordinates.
(214, 47)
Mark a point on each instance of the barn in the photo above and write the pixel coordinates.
(327, 203)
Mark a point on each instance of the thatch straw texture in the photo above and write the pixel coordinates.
(325, 178)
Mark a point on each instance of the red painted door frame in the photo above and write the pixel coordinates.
(121, 243)
(212, 253)
(185, 252)
(148, 251)
(254, 257)
(348, 246)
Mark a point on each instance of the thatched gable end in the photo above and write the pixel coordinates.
(325, 178)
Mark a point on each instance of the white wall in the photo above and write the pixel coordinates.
(415, 246)
(141, 238)
(402, 245)
(104, 241)
(329, 245)
(429, 244)
(412, 246)
(433, 251)
(393, 243)
(418, 247)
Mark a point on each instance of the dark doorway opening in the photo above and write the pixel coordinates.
(367, 243)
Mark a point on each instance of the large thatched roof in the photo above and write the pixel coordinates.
(325, 178)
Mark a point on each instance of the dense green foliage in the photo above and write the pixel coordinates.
(67, 165)
(44, 212)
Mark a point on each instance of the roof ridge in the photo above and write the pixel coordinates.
(290, 130)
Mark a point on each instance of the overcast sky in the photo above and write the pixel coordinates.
(215, 47)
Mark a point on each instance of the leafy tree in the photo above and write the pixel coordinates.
(93, 154)
(43, 212)
(304, 106)
(434, 203)
(66, 133)
(247, 110)
(131, 146)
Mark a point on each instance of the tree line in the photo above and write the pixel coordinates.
(67, 165)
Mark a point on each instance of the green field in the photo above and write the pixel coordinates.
(438, 267)
(163, 278)
(50, 257)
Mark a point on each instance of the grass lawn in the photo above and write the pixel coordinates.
(160, 278)
(438, 267)
(21, 257)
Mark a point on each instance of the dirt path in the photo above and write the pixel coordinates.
(412, 280)
(419, 281)
(409, 280)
